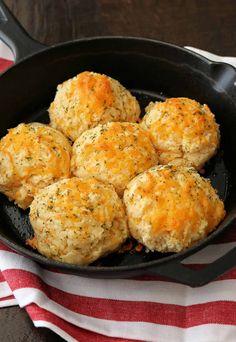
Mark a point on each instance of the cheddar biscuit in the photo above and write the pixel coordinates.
(114, 152)
(183, 131)
(89, 99)
(32, 156)
(77, 220)
(170, 208)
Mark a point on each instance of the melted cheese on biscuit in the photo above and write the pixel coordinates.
(32, 156)
(89, 99)
(78, 220)
(169, 208)
(114, 152)
(183, 131)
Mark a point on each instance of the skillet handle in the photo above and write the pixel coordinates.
(14, 35)
(195, 278)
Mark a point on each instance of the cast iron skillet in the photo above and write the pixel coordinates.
(152, 70)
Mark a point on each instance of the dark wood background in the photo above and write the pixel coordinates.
(206, 24)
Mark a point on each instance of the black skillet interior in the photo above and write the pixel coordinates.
(153, 71)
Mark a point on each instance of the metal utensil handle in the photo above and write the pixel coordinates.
(195, 278)
(14, 35)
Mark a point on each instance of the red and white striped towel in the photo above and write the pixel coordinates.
(144, 308)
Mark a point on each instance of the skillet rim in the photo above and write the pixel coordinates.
(139, 266)
(46, 48)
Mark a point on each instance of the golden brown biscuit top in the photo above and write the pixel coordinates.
(35, 150)
(71, 200)
(174, 196)
(185, 119)
(89, 99)
(114, 148)
(95, 91)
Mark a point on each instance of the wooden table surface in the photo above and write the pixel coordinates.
(206, 24)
